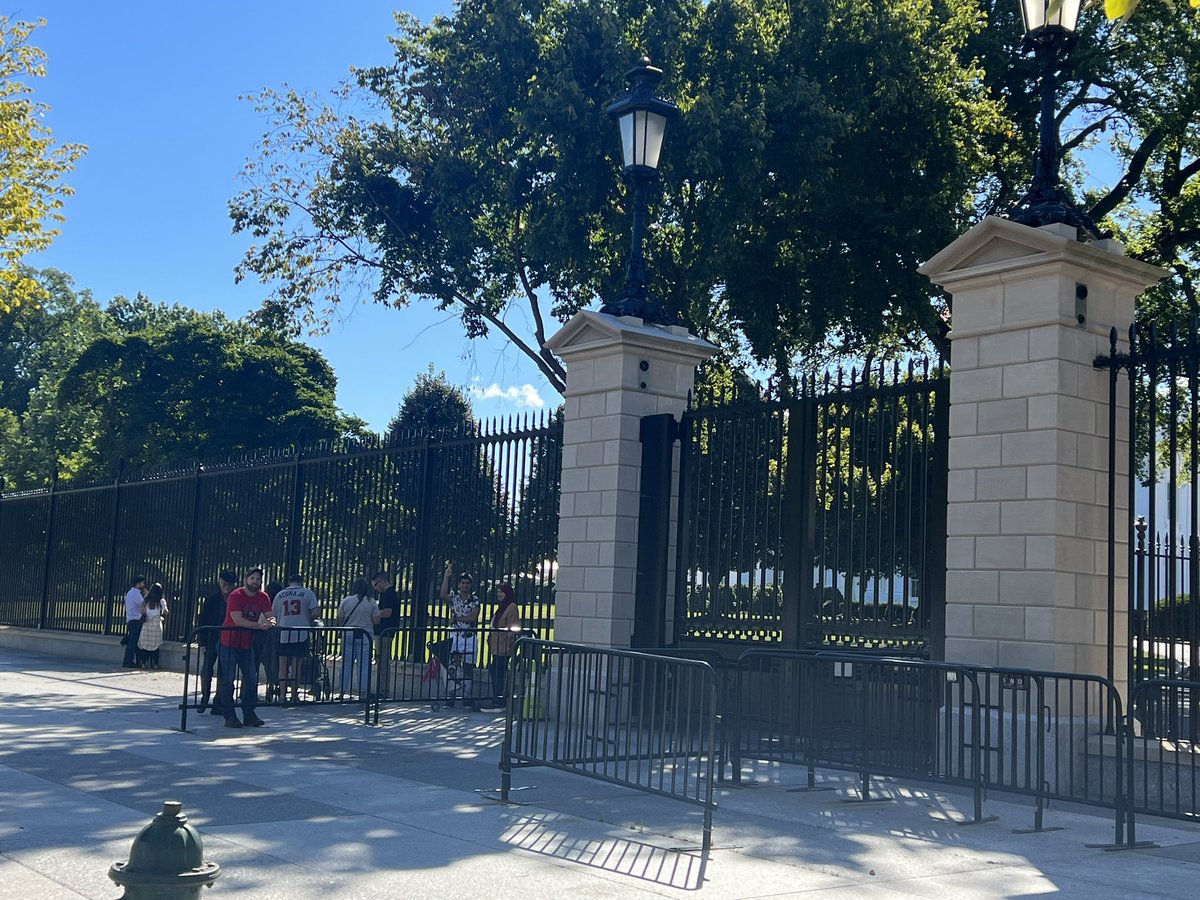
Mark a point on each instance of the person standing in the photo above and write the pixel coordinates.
(505, 626)
(358, 611)
(266, 647)
(150, 638)
(212, 616)
(134, 598)
(464, 606)
(389, 618)
(247, 612)
(296, 609)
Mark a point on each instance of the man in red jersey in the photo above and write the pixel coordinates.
(247, 611)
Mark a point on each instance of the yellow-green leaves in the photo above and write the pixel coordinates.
(31, 166)
(1122, 9)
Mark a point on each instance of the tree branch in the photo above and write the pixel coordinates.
(557, 381)
(1099, 125)
(1137, 165)
(547, 364)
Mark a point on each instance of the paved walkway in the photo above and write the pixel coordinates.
(316, 805)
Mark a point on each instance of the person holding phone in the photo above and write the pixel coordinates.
(247, 613)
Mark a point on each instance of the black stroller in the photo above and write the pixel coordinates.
(316, 666)
(456, 670)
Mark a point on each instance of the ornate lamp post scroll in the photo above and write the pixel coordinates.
(642, 118)
(1050, 33)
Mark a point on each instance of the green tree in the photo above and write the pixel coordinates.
(36, 349)
(31, 166)
(825, 149)
(170, 384)
(432, 405)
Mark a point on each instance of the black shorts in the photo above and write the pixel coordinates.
(293, 648)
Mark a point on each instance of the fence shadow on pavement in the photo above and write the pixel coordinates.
(549, 834)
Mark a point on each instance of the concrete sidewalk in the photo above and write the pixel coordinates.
(318, 805)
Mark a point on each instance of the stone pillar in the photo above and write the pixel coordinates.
(618, 370)
(1027, 534)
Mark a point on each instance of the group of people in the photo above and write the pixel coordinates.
(145, 610)
(502, 634)
(252, 625)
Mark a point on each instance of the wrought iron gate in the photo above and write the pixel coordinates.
(819, 518)
(1160, 518)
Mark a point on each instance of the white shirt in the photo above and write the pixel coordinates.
(133, 604)
(295, 607)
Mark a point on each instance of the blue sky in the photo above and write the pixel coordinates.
(152, 88)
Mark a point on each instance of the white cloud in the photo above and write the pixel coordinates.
(525, 395)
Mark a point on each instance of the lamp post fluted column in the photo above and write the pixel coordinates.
(635, 273)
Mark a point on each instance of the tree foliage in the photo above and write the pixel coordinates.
(825, 149)
(31, 166)
(149, 383)
(433, 405)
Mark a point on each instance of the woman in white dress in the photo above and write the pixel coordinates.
(154, 610)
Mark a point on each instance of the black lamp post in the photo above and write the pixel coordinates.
(643, 120)
(1050, 33)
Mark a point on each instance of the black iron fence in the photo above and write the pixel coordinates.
(819, 517)
(640, 720)
(485, 497)
(1154, 472)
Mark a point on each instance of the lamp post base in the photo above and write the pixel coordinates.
(1051, 207)
(649, 311)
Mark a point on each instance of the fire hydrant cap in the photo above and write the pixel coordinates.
(168, 851)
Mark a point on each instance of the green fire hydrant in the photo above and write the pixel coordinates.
(166, 861)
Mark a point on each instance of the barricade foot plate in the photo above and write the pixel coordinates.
(1116, 848)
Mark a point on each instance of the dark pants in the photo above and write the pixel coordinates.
(383, 663)
(235, 662)
(206, 670)
(498, 667)
(133, 631)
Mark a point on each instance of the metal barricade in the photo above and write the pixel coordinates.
(1162, 750)
(861, 713)
(1048, 735)
(406, 673)
(640, 720)
(331, 667)
(1052, 736)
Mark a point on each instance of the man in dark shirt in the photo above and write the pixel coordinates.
(212, 615)
(247, 612)
(389, 617)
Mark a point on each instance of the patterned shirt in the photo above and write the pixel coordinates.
(464, 609)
